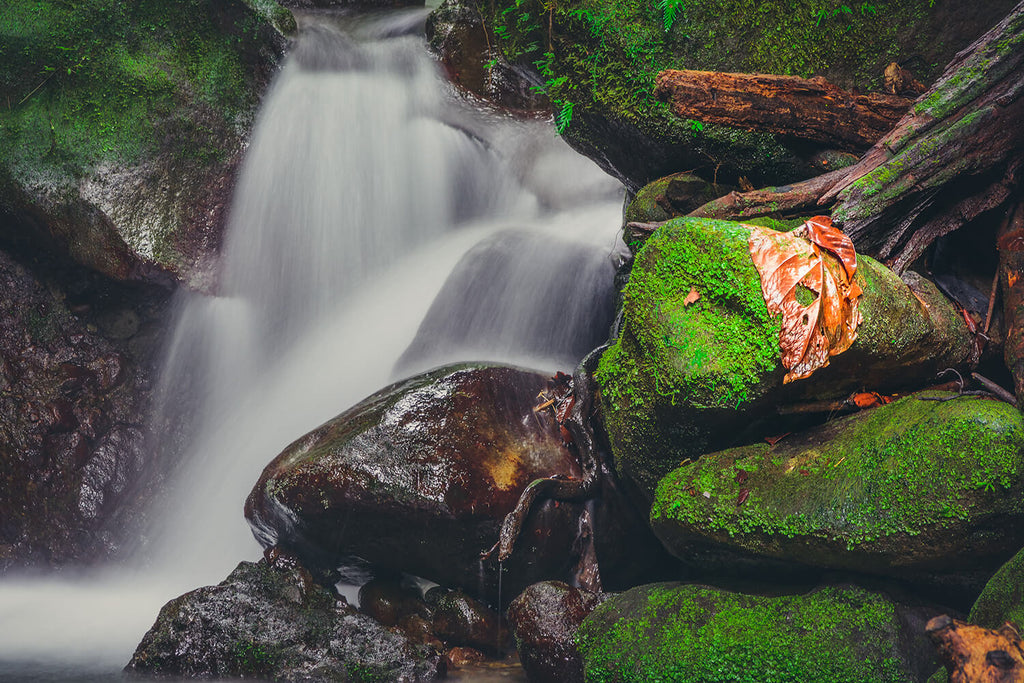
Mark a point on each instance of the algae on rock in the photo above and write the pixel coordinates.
(914, 489)
(693, 633)
(685, 379)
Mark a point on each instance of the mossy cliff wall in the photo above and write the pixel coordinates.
(598, 59)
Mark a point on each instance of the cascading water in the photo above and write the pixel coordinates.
(366, 182)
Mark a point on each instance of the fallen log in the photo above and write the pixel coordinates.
(805, 108)
(952, 158)
(1010, 242)
(972, 654)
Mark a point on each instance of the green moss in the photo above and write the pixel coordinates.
(894, 472)
(679, 633)
(1002, 600)
(102, 81)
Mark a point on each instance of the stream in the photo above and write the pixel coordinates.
(382, 224)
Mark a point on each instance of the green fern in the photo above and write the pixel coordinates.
(564, 117)
(670, 8)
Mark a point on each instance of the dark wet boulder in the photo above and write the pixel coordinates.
(124, 127)
(685, 378)
(72, 398)
(461, 621)
(544, 619)
(691, 633)
(418, 477)
(919, 489)
(458, 36)
(390, 601)
(269, 624)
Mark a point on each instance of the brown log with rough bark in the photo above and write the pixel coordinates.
(953, 158)
(1010, 242)
(972, 654)
(809, 109)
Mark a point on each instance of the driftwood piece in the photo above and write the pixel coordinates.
(953, 157)
(972, 654)
(1010, 242)
(809, 109)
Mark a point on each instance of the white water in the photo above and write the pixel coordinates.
(365, 183)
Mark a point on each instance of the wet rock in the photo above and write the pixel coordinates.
(263, 623)
(689, 632)
(674, 195)
(70, 400)
(127, 167)
(545, 618)
(460, 620)
(461, 41)
(923, 490)
(417, 479)
(685, 379)
(461, 657)
(389, 601)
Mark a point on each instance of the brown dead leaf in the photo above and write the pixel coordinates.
(772, 440)
(870, 399)
(691, 297)
(820, 259)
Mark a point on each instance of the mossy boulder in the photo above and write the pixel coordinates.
(124, 125)
(693, 633)
(1002, 599)
(598, 60)
(686, 379)
(418, 477)
(269, 624)
(919, 489)
(674, 195)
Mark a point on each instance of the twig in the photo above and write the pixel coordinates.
(45, 80)
(995, 389)
(991, 303)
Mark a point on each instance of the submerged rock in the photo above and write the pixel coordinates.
(685, 378)
(418, 477)
(545, 618)
(915, 489)
(692, 633)
(264, 623)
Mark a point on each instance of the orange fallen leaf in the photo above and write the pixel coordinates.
(869, 399)
(691, 297)
(816, 262)
(772, 440)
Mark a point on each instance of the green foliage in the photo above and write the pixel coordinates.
(669, 10)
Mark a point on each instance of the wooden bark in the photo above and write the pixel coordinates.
(972, 654)
(953, 157)
(1010, 242)
(808, 109)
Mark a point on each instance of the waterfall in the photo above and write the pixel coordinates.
(366, 182)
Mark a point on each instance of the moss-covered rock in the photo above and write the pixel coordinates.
(911, 489)
(599, 59)
(1002, 599)
(674, 195)
(685, 379)
(124, 124)
(692, 633)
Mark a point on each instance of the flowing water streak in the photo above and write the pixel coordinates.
(364, 184)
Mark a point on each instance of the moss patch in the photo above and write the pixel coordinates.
(680, 633)
(1002, 600)
(902, 485)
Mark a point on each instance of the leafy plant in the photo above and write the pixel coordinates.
(669, 10)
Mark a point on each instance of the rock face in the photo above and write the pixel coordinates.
(126, 125)
(685, 379)
(73, 391)
(692, 633)
(908, 489)
(268, 624)
(417, 479)
(545, 618)
(598, 60)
